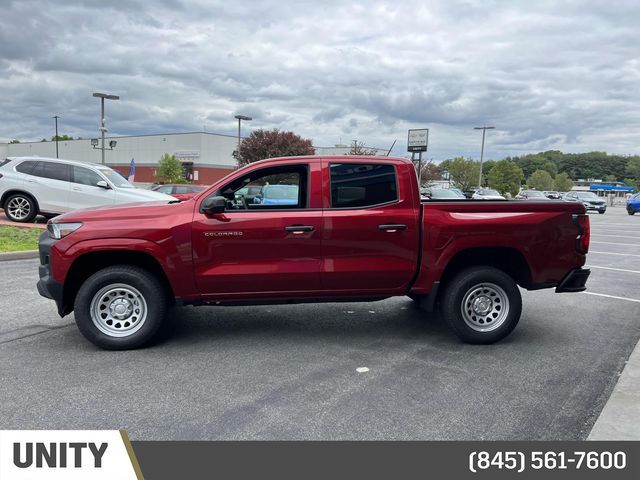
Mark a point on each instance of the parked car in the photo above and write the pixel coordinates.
(358, 233)
(589, 199)
(277, 195)
(552, 195)
(633, 204)
(487, 194)
(531, 195)
(180, 191)
(442, 193)
(49, 186)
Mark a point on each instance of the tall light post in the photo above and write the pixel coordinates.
(103, 129)
(484, 130)
(56, 118)
(240, 118)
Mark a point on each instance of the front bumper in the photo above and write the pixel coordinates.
(574, 281)
(47, 286)
(598, 208)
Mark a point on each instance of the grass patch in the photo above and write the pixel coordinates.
(14, 239)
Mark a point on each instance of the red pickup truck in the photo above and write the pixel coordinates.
(343, 229)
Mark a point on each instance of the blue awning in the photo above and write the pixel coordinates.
(609, 188)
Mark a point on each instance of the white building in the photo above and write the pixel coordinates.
(207, 157)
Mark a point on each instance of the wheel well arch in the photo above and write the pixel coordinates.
(14, 191)
(89, 263)
(509, 260)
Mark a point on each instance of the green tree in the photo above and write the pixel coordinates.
(15, 140)
(633, 168)
(610, 178)
(62, 138)
(562, 183)
(263, 144)
(540, 180)
(487, 165)
(170, 170)
(505, 177)
(463, 172)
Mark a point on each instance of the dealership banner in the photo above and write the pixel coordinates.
(71, 455)
(67, 455)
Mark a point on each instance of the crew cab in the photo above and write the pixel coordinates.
(358, 231)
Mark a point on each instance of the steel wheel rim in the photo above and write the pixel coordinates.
(19, 208)
(485, 307)
(118, 310)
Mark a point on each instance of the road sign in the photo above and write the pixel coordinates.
(418, 140)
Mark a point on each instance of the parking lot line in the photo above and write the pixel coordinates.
(614, 253)
(635, 300)
(607, 235)
(613, 243)
(616, 269)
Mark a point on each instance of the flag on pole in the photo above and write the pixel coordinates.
(132, 171)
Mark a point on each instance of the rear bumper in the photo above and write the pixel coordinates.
(574, 281)
(47, 286)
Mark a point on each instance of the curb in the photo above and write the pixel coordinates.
(21, 255)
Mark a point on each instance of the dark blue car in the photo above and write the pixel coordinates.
(633, 204)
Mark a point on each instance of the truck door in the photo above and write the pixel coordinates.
(370, 239)
(261, 248)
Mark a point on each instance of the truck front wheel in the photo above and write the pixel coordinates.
(482, 305)
(120, 307)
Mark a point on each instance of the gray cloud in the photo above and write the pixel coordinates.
(561, 75)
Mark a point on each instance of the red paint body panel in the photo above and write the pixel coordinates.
(250, 255)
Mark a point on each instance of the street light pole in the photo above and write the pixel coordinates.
(484, 130)
(240, 118)
(103, 129)
(56, 117)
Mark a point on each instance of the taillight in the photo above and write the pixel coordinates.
(584, 233)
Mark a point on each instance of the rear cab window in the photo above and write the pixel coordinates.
(361, 185)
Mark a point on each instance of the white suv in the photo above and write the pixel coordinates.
(48, 186)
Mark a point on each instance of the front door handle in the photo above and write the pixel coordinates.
(298, 229)
(392, 227)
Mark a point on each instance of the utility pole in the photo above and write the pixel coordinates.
(484, 130)
(240, 118)
(56, 118)
(103, 129)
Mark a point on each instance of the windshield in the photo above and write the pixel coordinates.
(488, 192)
(114, 177)
(587, 196)
(535, 193)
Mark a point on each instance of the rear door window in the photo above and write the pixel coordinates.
(359, 185)
(53, 171)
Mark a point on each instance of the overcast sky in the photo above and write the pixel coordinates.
(548, 74)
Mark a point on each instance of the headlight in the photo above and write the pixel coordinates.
(59, 230)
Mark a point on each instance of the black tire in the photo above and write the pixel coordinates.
(121, 279)
(631, 212)
(477, 284)
(12, 203)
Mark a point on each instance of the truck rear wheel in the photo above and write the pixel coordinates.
(120, 307)
(482, 305)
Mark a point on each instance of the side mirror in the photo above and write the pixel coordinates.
(103, 184)
(213, 205)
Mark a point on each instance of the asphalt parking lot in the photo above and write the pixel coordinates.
(289, 372)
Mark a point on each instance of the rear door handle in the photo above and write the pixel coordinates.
(392, 227)
(298, 229)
